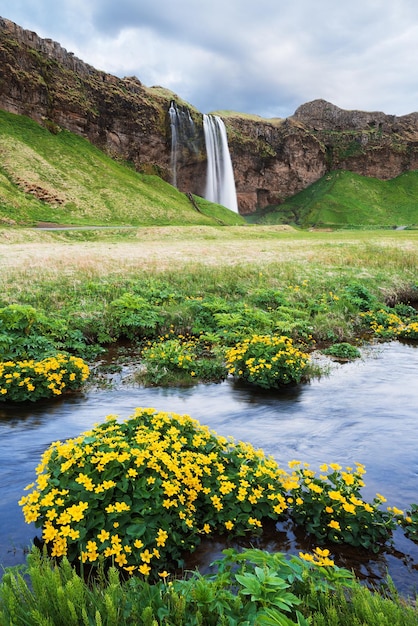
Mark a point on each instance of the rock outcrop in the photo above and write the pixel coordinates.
(272, 159)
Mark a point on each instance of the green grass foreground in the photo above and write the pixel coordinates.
(251, 588)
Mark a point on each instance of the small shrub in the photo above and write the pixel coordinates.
(26, 333)
(342, 351)
(132, 316)
(268, 298)
(231, 321)
(33, 380)
(140, 493)
(180, 360)
(252, 587)
(267, 361)
(406, 311)
(361, 297)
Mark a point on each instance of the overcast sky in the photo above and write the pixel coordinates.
(254, 56)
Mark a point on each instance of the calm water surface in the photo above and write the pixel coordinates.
(364, 411)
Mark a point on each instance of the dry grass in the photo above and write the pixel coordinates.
(167, 248)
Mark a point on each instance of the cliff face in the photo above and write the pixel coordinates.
(40, 79)
(272, 159)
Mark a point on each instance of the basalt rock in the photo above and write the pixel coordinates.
(272, 159)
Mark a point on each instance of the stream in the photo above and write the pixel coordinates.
(363, 411)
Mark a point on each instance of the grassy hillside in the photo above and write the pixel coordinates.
(346, 199)
(61, 178)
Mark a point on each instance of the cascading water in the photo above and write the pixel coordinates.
(183, 135)
(220, 183)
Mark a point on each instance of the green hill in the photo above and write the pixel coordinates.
(346, 199)
(57, 177)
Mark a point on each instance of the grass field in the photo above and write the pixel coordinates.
(381, 253)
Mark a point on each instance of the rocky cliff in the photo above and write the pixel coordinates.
(272, 159)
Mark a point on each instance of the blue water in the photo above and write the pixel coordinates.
(365, 411)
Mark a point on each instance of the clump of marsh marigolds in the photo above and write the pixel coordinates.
(140, 493)
(330, 507)
(267, 361)
(32, 380)
(143, 491)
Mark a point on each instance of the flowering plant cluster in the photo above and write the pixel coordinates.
(409, 521)
(384, 323)
(181, 359)
(32, 380)
(400, 322)
(267, 361)
(141, 492)
(409, 331)
(330, 506)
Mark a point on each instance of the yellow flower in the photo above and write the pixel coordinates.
(217, 502)
(121, 559)
(59, 547)
(103, 535)
(335, 495)
(162, 536)
(334, 524)
(395, 511)
(229, 525)
(144, 569)
(49, 532)
(347, 478)
(349, 508)
(146, 556)
(121, 506)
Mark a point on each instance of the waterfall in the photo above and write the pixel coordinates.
(220, 183)
(183, 136)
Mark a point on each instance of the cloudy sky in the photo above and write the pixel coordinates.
(255, 56)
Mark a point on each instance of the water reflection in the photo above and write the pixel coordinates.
(363, 411)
